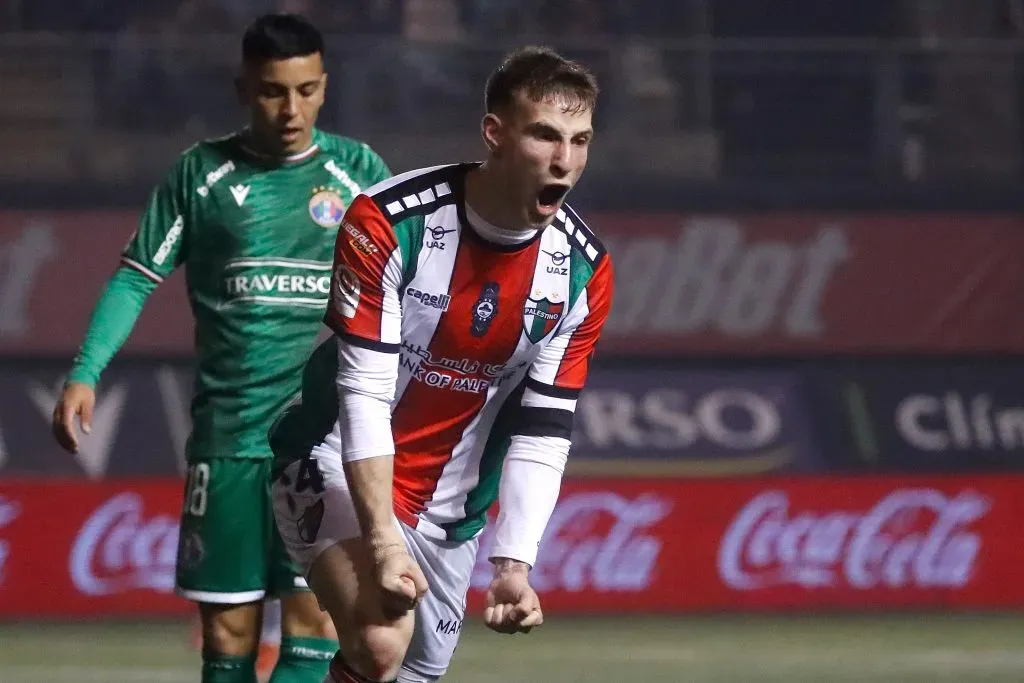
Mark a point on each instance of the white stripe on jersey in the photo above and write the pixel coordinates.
(548, 281)
(532, 399)
(280, 262)
(280, 300)
(550, 358)
(462, 472)
(142, 269)
(391, 307)
(433, 276)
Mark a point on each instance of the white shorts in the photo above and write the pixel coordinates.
(311, 522)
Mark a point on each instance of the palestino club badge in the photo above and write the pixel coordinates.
(485, 310)
(540, 316)
(326, 208)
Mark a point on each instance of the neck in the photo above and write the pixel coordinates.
(485, 193)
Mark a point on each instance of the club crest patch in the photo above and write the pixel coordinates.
(326, 208)
(540, 316)
(485, 310)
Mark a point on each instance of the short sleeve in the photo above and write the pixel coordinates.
(364, 306)
(161, 242)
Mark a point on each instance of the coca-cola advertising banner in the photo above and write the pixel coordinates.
(707, 423)
(748, 284)
(76, 549)
(779, 544)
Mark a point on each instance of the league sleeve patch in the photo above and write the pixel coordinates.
(345, 291)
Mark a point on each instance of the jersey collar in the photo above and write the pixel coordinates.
(290, 159)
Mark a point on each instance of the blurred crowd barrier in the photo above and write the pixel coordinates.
(113, 111)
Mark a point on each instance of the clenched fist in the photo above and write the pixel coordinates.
(512, 604)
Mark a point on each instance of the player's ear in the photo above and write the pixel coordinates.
(492, 129)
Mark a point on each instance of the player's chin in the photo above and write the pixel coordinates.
(290, 139)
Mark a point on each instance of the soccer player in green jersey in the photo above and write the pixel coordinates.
(253, 217)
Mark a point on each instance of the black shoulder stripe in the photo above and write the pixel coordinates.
(532, 421)
(370, 344)
(581, 237)
(552, 391)
(417, 195)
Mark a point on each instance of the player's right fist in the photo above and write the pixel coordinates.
(77, 400)
(402, 583)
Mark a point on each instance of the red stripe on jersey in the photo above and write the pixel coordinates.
(365, 242)
(575, 365)
(429, 421)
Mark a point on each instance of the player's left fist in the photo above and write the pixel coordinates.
(512, 604)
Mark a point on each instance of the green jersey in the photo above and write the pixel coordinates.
(256, 238)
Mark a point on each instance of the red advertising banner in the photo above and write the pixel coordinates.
(780, 544)
(806, 284)
(744, 284)
(96, 549)
(53, 267)
(787, 544)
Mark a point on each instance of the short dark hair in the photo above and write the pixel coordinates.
(540, 72)
(280, 36)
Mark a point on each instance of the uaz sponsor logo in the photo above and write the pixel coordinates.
(436, 236)
(439, 301)
(557, 261)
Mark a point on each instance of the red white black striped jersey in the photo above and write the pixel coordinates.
(492, 340)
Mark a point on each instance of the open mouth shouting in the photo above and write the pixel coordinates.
(550, 198)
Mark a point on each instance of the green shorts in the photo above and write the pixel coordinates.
(229, 551)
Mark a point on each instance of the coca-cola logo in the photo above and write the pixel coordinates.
(9, 509)
(118, 550)
(598, 541)
(912, 538)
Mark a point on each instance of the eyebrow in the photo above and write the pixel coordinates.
(277, 84)
(540, 126)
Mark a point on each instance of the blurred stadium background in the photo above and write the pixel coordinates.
(801, 455)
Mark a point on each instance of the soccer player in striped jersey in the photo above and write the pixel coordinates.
(466, 302)
(253, 219)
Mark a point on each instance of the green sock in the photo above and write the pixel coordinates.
(303, 660)
(219, 668)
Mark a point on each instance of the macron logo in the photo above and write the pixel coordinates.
(239, 192)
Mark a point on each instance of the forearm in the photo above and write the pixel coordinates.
(111, 323)
(370, 481)
(366, 381)
(530, 481)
